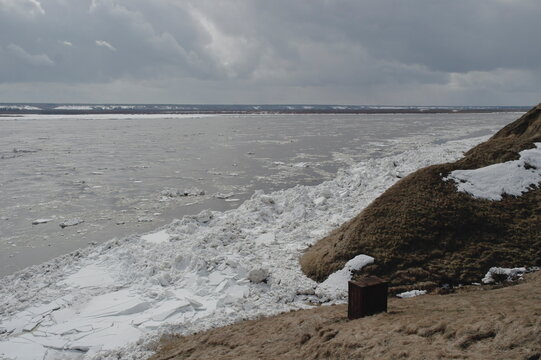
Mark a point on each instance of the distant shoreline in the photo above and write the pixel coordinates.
(10, 109)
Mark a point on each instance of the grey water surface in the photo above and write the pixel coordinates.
(117, 175)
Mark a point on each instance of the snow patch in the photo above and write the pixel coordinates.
(492, 182)
(498, 274)
(411, 293)
(337, 283)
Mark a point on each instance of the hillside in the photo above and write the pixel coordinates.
(475, 323)
(424, 233)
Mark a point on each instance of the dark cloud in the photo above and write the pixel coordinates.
(310, 51)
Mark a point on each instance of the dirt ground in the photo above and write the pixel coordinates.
(474, 323)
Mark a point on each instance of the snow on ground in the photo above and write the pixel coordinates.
(337, 283)
(411, 293)
(498, 274)
(114, 300)
(512, 178)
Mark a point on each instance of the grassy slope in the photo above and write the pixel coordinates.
(475, 323)
(423, 233)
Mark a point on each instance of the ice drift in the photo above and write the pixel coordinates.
(115, 299)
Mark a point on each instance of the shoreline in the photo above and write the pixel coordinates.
(267, 232)
(476, 322)
(111, 190)
(21, 109)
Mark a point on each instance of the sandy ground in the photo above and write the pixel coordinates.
(474, 323)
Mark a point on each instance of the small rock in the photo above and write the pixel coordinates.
(258, 275)
(145, 219)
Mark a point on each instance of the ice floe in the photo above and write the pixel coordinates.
(41, 221)
(492, 182)
(223, 196)
(211, 269)
(181, 193)
(71, 222)
(157, 237)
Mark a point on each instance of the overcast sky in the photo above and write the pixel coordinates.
(393, 52)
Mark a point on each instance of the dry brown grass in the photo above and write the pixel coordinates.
(423, 233)
(474, 323)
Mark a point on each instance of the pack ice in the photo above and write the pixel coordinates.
(114, 300)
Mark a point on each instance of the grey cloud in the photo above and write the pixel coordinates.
(349, 51)
(22, 8)
(25, 57)
(105, 44)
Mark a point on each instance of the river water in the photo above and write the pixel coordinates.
(115, 175)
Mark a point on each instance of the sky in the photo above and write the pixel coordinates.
(358, 52)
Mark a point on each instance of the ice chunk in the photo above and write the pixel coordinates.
(90, 276)
(222, 286)
(54, 342)
(204, 216)
(53, 354)
(107, 338)
(71, 222)
(238, 291)
(223, 196)
(114, 304)
(215, 278)
(196, 304)
(265, 239)
(169, 309)
(43, 309)
(157, 237)
(41, 221)
(180, 193)
(17, 323)
(21, 349)
(258, 275)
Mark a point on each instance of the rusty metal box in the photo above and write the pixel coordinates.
(367, 296)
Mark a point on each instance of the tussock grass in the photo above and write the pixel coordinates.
(423, 233)
(474, 323)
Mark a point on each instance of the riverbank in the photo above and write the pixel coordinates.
(477, 322)
(115, 300)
